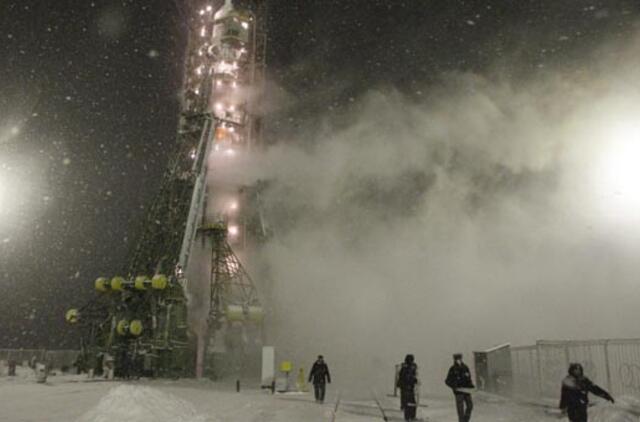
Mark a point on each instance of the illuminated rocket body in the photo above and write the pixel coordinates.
(226, 75)
(225, 82)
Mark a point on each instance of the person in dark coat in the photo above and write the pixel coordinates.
(574, 398)
(407, 381)
(319, 376)
(459, 377)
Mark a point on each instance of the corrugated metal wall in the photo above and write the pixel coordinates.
(524, 361)
(624, 366)
(538, 370)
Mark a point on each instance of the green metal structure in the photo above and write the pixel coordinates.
(137, 324)
(135, 328)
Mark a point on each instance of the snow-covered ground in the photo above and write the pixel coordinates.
(69, 399)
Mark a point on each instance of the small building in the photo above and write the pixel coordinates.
(493, 369)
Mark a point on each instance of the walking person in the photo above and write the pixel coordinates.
(407, 382)
(459, 380)
(574, 399)
(319, 376)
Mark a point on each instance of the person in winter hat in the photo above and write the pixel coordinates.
(407, 381)
(574, 396)
(459, 380)
(319, 376)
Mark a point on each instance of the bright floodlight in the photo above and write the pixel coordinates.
(233, 206)
(619, 170)
(233, 230)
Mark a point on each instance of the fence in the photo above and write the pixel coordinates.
(538, 370)
(56, 358)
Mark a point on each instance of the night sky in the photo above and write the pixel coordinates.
(89, 103)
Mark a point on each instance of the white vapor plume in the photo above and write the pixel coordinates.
(491, 212)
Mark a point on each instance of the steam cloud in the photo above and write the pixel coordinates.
(473, 217)
(469, 219)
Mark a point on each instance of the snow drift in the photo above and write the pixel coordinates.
(127, 403)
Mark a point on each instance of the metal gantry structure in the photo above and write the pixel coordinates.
(233, 295)
(138, 323)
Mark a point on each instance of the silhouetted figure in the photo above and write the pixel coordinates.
(407, 381)
(574, 399)
(122, 368)
(11, 364)
(319, 376)
(459, 379)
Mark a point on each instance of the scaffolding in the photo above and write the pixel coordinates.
(138, 321)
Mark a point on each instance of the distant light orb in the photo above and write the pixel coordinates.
(233, 230)
(618, 171)
(15, 130)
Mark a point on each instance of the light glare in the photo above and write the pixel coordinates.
(618, 171)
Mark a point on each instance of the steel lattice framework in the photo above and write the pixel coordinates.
(139, 319)
(231, 285)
